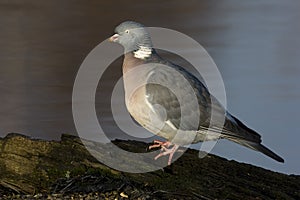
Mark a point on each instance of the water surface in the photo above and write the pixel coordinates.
(255, 45)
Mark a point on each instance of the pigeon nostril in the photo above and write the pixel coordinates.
(114, 38)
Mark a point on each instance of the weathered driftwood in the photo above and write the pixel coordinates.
(35, 166)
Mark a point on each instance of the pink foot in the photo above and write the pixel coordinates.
(161, 144)
(165, 149)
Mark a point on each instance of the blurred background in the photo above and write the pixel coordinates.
(255, 45)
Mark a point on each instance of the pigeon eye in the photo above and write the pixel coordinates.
(126, 31)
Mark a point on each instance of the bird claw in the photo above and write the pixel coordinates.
(161, 144)
(165, 149)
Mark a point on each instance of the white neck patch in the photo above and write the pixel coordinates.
(143, 52)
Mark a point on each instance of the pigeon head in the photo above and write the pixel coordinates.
(134, 38)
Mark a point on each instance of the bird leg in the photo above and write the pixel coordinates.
(165, 149)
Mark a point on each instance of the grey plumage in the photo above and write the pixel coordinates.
(133, 35)
(180, 97)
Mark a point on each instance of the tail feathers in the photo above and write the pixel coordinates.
(261, 148)
(268, 152)
(238, 132)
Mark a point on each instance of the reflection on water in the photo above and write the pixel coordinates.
(255, 45)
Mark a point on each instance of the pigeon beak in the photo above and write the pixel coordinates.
(114, 38)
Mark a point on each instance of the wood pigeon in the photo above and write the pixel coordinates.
(159, 104)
